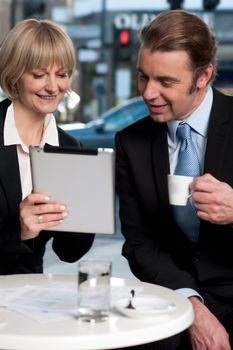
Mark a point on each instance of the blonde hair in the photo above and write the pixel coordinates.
(33, 44)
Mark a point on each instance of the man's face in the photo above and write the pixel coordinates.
(165, 80)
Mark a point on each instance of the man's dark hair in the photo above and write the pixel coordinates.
(185, 31)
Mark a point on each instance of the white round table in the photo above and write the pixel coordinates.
(21, 333)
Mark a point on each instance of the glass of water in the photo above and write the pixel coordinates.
(94, 290)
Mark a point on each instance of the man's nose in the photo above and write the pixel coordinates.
(151, 90)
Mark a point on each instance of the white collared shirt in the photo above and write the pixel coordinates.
(11, 137)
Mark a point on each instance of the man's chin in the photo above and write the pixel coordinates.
(160, 118)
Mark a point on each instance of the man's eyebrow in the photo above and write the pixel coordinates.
(168, 78)
(160, 77)
(139, 70)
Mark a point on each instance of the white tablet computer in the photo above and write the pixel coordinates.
(82, 179)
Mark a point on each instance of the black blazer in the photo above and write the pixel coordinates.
(156, 249)
(18, 256)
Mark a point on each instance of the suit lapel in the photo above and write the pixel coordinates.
(219, 126)
(9, 166)
(9, 175)
(160, 161)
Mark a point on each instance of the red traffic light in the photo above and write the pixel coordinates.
(124, 37)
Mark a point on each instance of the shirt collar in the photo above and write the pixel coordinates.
(11, 136)
(198, 120)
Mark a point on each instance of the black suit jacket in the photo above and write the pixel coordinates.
(156, 249)
(18, 256)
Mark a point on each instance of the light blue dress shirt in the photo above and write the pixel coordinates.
(199, 121)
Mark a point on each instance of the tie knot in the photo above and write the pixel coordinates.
(183, 131)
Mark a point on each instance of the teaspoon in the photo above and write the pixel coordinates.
(131, 295)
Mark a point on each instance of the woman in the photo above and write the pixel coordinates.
(37, 61)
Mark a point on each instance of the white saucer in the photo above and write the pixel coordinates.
(2, 322)
(145, 305)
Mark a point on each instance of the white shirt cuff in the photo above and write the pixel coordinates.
(189, 292)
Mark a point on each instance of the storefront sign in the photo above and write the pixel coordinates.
(132, 21)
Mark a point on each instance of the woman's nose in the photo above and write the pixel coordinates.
(51, 84)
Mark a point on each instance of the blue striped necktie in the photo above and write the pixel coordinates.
(188, 165)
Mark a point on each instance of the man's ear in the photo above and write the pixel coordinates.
(205, 77)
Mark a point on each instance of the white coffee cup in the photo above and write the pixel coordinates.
(179, 189)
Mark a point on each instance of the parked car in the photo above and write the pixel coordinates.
(101, 132)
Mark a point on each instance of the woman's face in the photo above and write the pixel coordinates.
(41, 90)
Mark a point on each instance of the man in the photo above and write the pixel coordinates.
(176, 66)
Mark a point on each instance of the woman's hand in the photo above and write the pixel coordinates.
(213, 199)
(38, 212)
